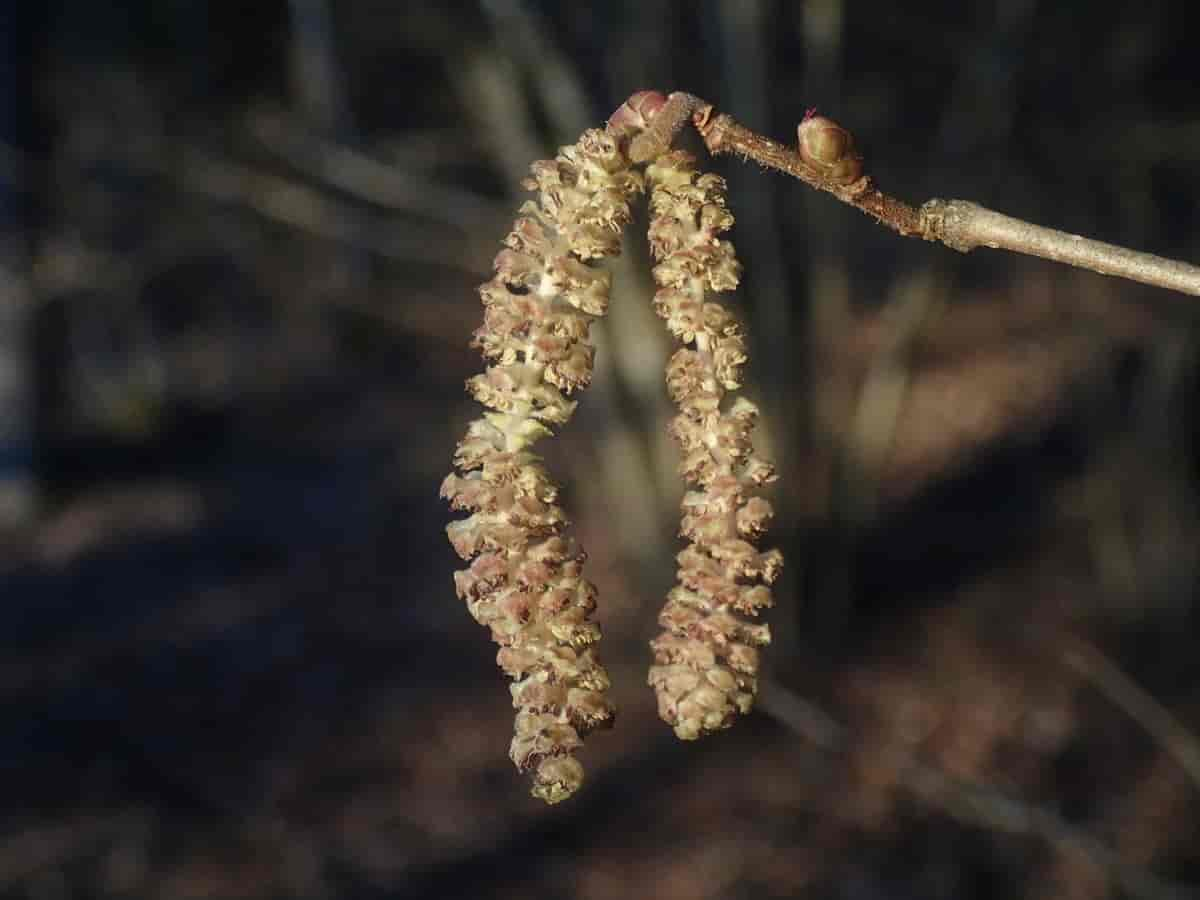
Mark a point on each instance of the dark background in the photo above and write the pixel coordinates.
(241, 246)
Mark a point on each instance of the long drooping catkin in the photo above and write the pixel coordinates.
(525, 580)
(706, 661)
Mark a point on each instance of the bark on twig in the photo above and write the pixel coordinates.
(964, 226)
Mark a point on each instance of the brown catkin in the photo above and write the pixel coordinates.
(525, 580)
(706, 659)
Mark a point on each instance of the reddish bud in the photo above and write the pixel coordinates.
(636, 112)
(829, 148)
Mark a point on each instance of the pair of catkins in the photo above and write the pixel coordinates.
(525, 578)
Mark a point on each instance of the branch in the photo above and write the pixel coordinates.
(825, 159)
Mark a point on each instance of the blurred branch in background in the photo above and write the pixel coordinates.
(976, 804)
(319, 91)
(17, 491)
(367, 179)
(824, 541)
(1137, 704)
(317, 79)
(881, 397)
(307, 209)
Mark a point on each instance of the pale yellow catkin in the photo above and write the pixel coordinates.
(706, 659)
(525, 580)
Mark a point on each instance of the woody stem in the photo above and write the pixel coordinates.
(959, 224)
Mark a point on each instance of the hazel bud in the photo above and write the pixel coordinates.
(636, 112)
(829, 148)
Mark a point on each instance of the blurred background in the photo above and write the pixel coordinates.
(240, 246)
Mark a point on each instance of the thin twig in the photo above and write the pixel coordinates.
(723, 134)
(964, 226)
(959, 224)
